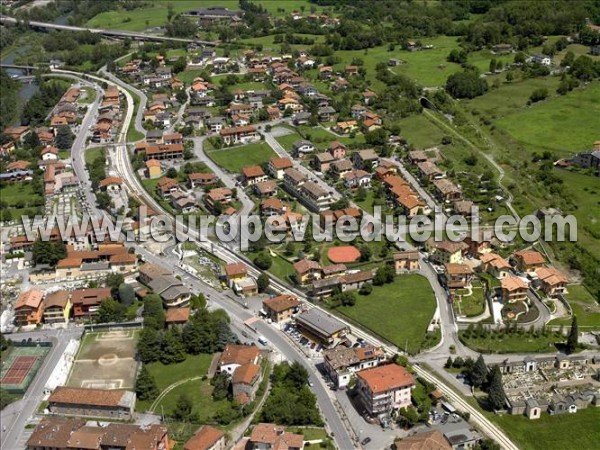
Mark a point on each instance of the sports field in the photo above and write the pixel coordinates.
(20, 366)
(106, 360)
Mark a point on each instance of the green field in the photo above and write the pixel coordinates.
(89, 97)
(156, 13)
(420, 132)
(187, 76)
(474, 304)
(233, 159)
(513, 343)
(199, 390)
(318, 136)
(545, 124)
(512, 97)
(584, 306)
(553, 432)
(585, 190)
(92, 153)
(399, 312)
(19, 199)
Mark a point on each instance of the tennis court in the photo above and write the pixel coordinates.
(20, 367)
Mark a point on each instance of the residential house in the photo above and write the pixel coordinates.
(446, 251)
(307, 271)
(252, 175)
(368, 97)
(528, 260)
(206, 438)
(202, 179)
(429, 171)
(384, 389)
(29, 308)
(356, 280)
(218, 196)
(87, 301)
(544, 60)
(514, 289)
(302, 147)
(337, 150)
(265, 188)
(245, 382)
(239, 135)
(552, 281)
(446, 190)
(278, 166)
(346, 127)
(339, 168)
(351, 70)
(17, 134)
(341, 363)
(293, 179)
(272, 207)
(407, 261)
(153, 169)
(281, 308)
(148, 272)
(325, 72)
(183, 202)
(321, 327)
(113, 404)
(357, 178)
(238, 279)
(301, 118)
(458, 276)
(322, 161)
(495, 265)
(235, 356)
(429, 440)
(315, 197)
(166, 186)
(268, 436)
(365, 159)
(57, 307)
(172, 291)
(326, 114)
(214, 124)
(177, 317)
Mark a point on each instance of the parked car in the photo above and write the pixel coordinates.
(365, 441)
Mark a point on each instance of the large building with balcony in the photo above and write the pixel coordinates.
(384, 389)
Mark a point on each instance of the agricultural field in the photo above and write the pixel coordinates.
(420, 132)
(233, 159)
(543, 125)
(409, 305)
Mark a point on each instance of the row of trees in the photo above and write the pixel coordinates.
(482, 377)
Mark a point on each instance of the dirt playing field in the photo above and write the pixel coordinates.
(106, 360)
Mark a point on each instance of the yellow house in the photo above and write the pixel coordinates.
(57, 307)
(307, 271)
(446, 252)
(153, 168)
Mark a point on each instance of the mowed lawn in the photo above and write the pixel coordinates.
(564, 124)
(92, 153)
(199, 390)
(155, 14)
(566, 431)
(399, 312)
(584, 306)
(233, 159)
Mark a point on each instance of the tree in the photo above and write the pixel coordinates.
(64, 138)
(113, 281)
(145, 385)
(479, 372)
(148, 346)
(496, 396)
(183, 408)
(110, 310)
(538, 95)
(366, 289)
(154, 314)
(172, 349)
(48, 252)
(172, 172)
(4, 343)
(407, 417)
(263, 282)
(448, 364)
(573, 338)
(126, 294)
(493, 65)
(365, 253)
(385, 275)
(180, 64)
(263, 260)
(346, 298)
(221, 386)
(466, 84)
(198, 301)
(6, 398)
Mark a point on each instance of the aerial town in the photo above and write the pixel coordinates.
(296, 224)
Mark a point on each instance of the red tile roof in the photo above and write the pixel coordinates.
(386, 378)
